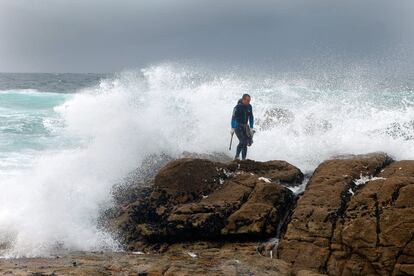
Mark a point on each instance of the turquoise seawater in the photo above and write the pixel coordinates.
(28, 125)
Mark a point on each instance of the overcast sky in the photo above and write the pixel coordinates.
(108, 36)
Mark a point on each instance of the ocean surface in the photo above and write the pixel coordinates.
(65, 139)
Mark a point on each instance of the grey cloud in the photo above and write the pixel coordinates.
(103, 35)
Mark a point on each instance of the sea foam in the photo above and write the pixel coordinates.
(54, 204)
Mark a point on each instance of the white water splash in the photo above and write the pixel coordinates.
(362, 180)
(299, 188)
(55, 202)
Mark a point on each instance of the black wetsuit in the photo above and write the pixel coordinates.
(241, 120)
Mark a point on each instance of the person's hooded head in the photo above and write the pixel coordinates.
(245, 99)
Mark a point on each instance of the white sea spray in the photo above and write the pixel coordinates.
(52, 201)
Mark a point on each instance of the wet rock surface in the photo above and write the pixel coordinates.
(376, 233)
(317, 212)
(130, 188)
(207, 217)
(200, 199)
(356, 217)
(180, 259)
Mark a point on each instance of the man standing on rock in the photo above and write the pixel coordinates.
(242, 123)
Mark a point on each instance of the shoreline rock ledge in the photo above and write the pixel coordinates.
(197, 199)
(356, 217)
(203, 217)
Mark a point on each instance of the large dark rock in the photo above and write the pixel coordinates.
(128, 190)
(276, 171)
(244, 206)
(376, 233)
(195, 199)
(356, 217)
(185, 180)
(325, 199)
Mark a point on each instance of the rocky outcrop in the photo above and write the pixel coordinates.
(376, 234)
(186, 180)
(136, 185)
(200, 199)
(355, 218)
(318, 211)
